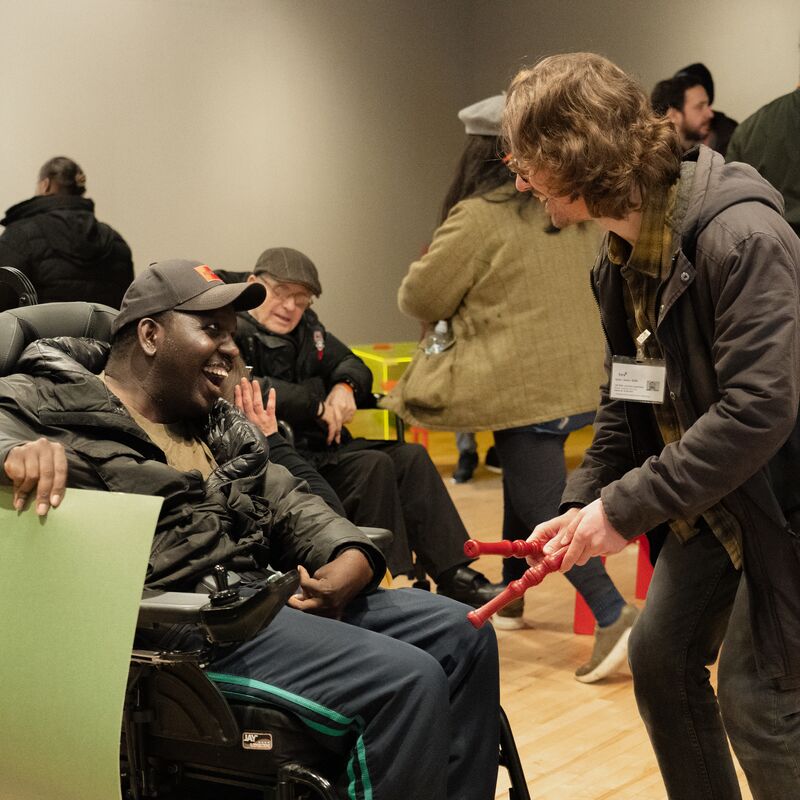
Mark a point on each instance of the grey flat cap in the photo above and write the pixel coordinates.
(483, 118)
(289, 265)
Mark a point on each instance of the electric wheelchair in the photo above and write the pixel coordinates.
(183, 736)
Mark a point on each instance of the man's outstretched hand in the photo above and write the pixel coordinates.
(38, 467)
(584, 532)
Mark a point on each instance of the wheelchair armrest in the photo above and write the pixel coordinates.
(374, 401)
(399, 422)
(381, 537)
(16, 290)
(286, 430)
(239, 617)
(170, 608)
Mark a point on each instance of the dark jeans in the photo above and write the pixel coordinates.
(534, 475)
(696, 603)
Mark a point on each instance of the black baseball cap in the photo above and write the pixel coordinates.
(182, 285)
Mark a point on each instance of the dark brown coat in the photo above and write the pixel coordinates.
(729, 326)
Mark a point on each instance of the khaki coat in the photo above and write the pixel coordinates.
(528, 343)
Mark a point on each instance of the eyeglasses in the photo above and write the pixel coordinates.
(302, 300)
(514, 165)
(517, 169)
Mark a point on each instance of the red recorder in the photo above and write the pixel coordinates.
(532, 577)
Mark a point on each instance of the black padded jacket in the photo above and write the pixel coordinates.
(66, 253)
(249, 514)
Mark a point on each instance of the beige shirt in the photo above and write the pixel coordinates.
(183, 449)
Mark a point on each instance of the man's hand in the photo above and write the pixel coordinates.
(248, 399)
(332, 417)
(338, 409)
(333, 586)
(587, 533)
(549, 532)
(39, 466)
(342, 398)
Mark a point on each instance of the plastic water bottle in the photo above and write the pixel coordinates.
(439, 339)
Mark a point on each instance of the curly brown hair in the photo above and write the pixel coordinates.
(590, 126)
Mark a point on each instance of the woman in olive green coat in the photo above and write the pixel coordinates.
(526, 359)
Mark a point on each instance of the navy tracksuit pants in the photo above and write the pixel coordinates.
(404, 675)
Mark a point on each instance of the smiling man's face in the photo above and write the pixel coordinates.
(195, 355)
(284, 306)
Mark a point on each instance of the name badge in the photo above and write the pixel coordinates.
(638, 380)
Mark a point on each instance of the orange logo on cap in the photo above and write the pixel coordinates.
(205, 271)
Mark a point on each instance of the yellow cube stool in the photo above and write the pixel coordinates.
(387, 361)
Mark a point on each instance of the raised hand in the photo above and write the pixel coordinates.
(248, 399)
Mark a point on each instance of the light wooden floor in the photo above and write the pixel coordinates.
(576, 741)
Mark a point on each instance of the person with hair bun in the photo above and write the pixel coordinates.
(697, 434)
(56, 240)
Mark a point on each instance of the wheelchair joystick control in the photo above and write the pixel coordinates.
(223, 595)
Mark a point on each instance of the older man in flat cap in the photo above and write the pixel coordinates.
(320, 382)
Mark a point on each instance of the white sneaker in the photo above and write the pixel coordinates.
(509, 618)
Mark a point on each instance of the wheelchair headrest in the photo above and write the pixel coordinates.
(15, 289)
(21, 326)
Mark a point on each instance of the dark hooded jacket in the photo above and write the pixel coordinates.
(729, 328)
(65, 252)
(249, 514)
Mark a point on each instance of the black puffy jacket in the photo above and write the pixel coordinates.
(247, 515)
(66, 253)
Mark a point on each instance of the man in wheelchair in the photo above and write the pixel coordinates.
(399, 675)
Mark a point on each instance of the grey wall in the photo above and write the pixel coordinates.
(212, 129)
(752, 49)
